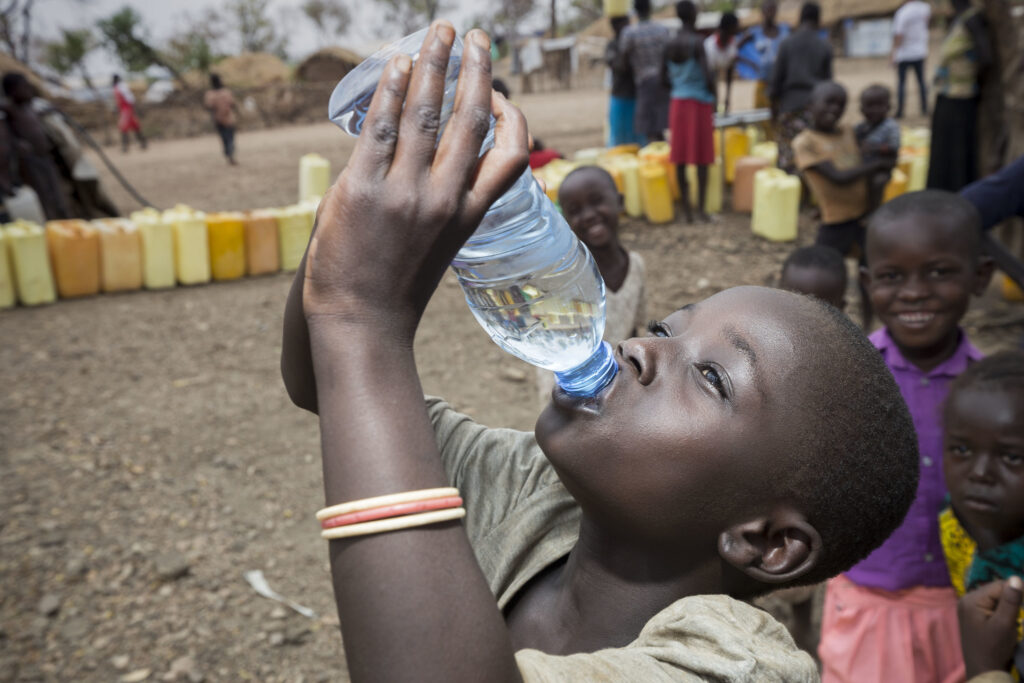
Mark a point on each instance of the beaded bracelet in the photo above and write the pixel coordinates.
(393, 523)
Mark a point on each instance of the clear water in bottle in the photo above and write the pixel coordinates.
(530, 283)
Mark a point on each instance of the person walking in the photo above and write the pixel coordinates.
(643, 46)
(910, 49)
(221, 104)
(127, 120)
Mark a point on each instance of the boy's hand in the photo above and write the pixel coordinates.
(988, 625)
(400, 210)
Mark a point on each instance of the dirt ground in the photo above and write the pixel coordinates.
(149, 455)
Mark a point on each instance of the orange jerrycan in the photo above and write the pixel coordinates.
(226, 234)
(157, 238)
(314, 177)
(75, 252)
(737, 146)
(660, 152)
(30, 263)
(743, 183)
(120, 254)
(191, 245)
(294, 225)
(713, 199)
(776, 205)
(1009, 289)
(262, 249)
(896, 186)
(655, 193)
(7, 294)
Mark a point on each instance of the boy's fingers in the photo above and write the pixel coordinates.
(421, 119)
(1009, 602)
(375, 146)
(460, 146)
(504, 162)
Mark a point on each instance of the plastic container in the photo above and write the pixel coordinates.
(75, 253)
(629, 149)
(613, 170)
(917, 179)
(766, 150)
(629, 169)
(616, 8)
(589, 155)
(776, 205)
(120, 255)
(660, 152)
(1009, 289)
(553, 173)
(8, 295)
(226, 235)
(294, 226)
(528, 281)
(713, 198)
(896, 186)
(191, 244)
(737, 146)
(157, 238)
(30, 263)
(314, 177)
(262, 246)
(916, 138)
(655, 193)
(743, 183)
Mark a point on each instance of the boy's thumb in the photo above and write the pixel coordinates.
(1010, 601)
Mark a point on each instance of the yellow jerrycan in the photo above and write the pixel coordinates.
(737, 146)
(553, 173)
(627, 149)
(616, 8)
(8, 295)
(896, 186)
(588, 155)
(776, 205)
(917, 179)
(713, 200)
(628, 166)
(743, 184)
(613, 170)
(294, 226)
(262, 248)
(157, 238)
(655, 193)
(766, 150)
(226, 234)
(75, 253)
(1009, 289)
(660, 153)
(120, 254)
(30, 263)
(191, 245)
(314, 177)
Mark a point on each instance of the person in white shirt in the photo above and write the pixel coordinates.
(722, 49)
(910, 48)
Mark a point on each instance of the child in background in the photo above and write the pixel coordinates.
(828, 157)
(541, 155)
(691, 113)
(816, 271)
(983, 527)
(592, 205)
(879, 139)
(892, 617)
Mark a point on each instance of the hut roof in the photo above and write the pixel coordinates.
(252, 70)
(328, 64)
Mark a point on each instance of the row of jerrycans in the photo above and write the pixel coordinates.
(154, 250)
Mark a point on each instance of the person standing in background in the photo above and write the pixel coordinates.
(758, 49)
(127, 120)
(622, 103)
(221, 104)
(910, 49)
(643, 45)
(721, 49)
(803, 61)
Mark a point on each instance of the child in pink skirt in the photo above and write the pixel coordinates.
(692, 86)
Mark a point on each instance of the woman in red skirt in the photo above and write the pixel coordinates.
(692, 110)
(127, 121)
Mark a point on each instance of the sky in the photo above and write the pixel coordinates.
(164, 17)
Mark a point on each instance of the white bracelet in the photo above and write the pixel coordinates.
(393, 523)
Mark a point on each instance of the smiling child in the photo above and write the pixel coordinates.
(893, 616)
(756, 441)
(983, 528)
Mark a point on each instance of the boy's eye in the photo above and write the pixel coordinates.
(941, 272)
(713, 377)
(658, 329)
(1013, 459)
(959, 450)
(888, 276)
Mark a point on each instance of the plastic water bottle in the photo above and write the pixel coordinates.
(529, 282)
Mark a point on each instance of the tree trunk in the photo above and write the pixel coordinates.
(554, 20)
(26, 31)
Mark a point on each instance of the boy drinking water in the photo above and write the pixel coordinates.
(892, 617)
(879, 139)
(719, 462)
(983, 527)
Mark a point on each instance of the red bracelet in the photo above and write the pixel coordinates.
(387, 511)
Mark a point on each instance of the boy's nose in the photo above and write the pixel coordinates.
(638, 353)
(981, 468)
(913, 288)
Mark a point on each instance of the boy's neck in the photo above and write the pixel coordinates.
(927, 359)
(612, 260)
(827, 131)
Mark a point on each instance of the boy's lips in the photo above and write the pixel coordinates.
(980, 504)
(915, 318)
(585, 404)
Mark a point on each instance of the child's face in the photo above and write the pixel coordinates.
(816, 282)
(984, 462)
(591, 205)
(827, 108)
(920, 276)
(693, 424)
(874, 107)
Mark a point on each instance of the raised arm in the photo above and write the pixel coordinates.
(845, 176)
(413, 604)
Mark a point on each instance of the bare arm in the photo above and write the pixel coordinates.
(846, 176)
(414, 604)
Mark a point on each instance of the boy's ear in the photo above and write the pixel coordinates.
(983, 274)
(774, 549)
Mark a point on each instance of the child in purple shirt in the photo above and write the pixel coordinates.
(892, 617)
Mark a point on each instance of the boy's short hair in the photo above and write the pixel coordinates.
(875, 90)
(686, 10)
(817, 256)
(728, 21)
(1003, 370)
(596, 170)
(11, 80)
(642, 7)
(822, 87)
(957, 213)
(855, 471)
(810, 11)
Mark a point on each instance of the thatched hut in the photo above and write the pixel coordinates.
(252, 70)
(330, 64)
